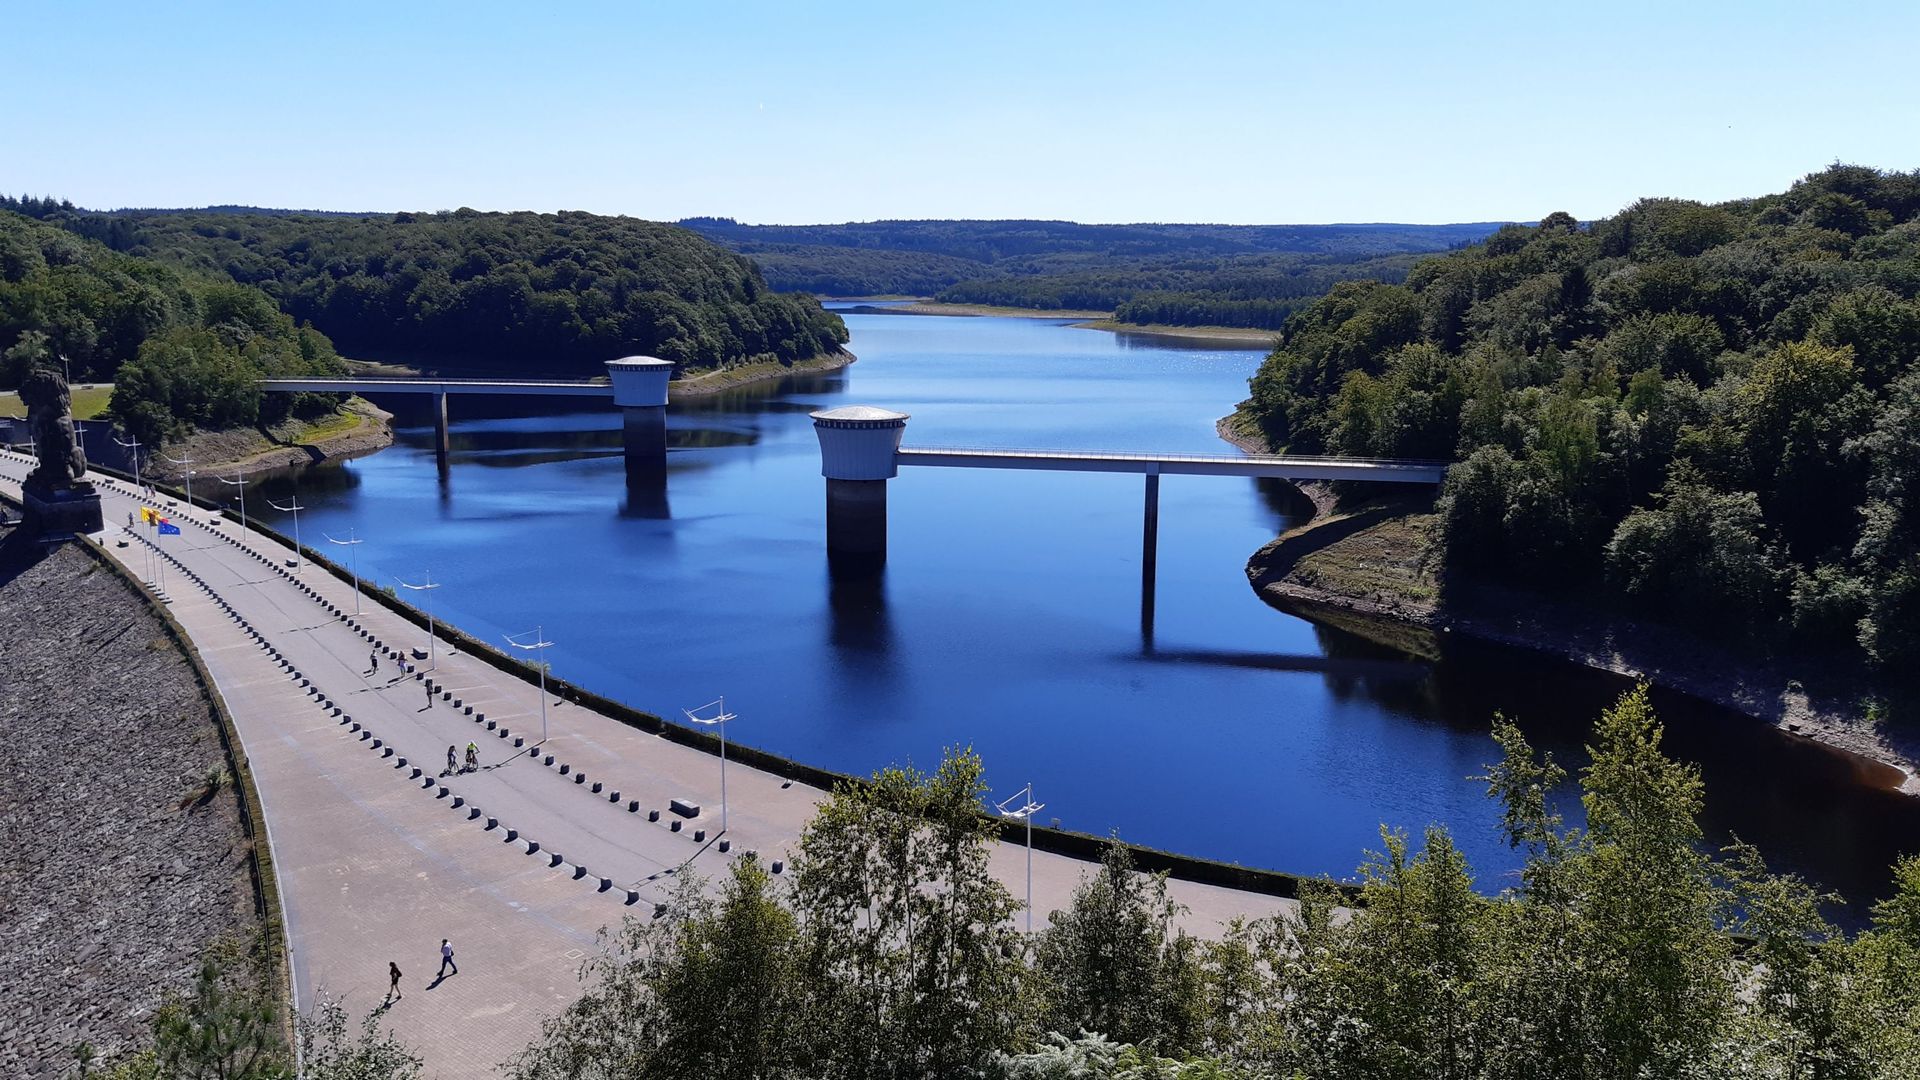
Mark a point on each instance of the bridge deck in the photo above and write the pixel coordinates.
(1286, 467)
(511, 387)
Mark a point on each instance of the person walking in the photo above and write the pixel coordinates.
(429, 695)
(373, 662)
(393, 988)
(446, 958)
(453, 762)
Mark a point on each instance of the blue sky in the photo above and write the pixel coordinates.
(791, 112)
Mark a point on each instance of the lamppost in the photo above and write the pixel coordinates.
(135, 446)
(184, 461)
(427, 602)
(351, 543)
(718, 720)
(539, 642)
(242, 485)
(1024, 813)
(299, 558)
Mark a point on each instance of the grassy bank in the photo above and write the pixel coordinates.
(356, 427)
(1225, 336)
(713, 382)
(89, 401)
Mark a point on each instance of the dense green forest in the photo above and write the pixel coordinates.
(183, 349)
(1232, 275)
(1709, 414)
(567, 291)
(889, 950)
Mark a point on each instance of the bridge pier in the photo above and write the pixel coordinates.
(640, 389)
(857, 448)
(441, 443)
(1149, 556)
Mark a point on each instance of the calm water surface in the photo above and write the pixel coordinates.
(1008, 616)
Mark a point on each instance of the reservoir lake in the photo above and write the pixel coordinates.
(1008, 616)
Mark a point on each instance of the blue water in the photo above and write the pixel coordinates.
(1008, 618)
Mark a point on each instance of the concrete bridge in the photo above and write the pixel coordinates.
(638, 384)
(860, 451)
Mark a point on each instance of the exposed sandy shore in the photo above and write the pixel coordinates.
(1801, 697)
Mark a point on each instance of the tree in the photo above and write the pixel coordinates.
(1701, 555)
(710, 990)
(220, 1031)
(907, 944)
(330, 1051)
(1112, 962)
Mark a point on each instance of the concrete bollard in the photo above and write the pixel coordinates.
(653, 815)
(388, 752)
(675, 826)
(414, 774)
(375, 745)
(726, 846)
(633, 806)
(469, 710)
(458, 802)
(605, 884)
(596, 787)
(579, 778)
(472, 812)
(533, 846)
(554, 859)
(518, 741)
(579, 872)
(564, 768)
(512, 835)
(778, 865)
(442, 792)
(492, 824)
(633, 897)
(699, 836)
(613, 796)
(491, 725)
(659, 911)
(548, 760)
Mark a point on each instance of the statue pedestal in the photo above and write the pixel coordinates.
(63, 513)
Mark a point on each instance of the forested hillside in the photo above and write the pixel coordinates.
(1233, 275)
(566, 291)
(184, 349)
(1707, 413)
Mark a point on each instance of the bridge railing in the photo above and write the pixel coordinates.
(1150, 455)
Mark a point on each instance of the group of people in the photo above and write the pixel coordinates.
(473, 760)
(446, 964)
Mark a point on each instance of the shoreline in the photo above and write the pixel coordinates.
(720, 380)
(225, 451)
(1829, 713)
(1081, 319)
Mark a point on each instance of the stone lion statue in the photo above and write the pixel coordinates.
(50, 416)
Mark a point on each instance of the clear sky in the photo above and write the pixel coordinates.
(1274, 111)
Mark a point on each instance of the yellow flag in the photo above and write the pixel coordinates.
(146, 514)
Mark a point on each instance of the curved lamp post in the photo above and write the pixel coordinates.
(539, 642)
(717, 720)
(1024, 813)
(427, 603)
(352, 544)
(299, 558)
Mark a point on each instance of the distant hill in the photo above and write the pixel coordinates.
(1244, 275)
(557, 292)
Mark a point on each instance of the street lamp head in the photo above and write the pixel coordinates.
(720, 716)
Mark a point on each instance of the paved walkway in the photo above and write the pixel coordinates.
(380, 855)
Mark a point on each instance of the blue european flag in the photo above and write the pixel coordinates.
(168, 528)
